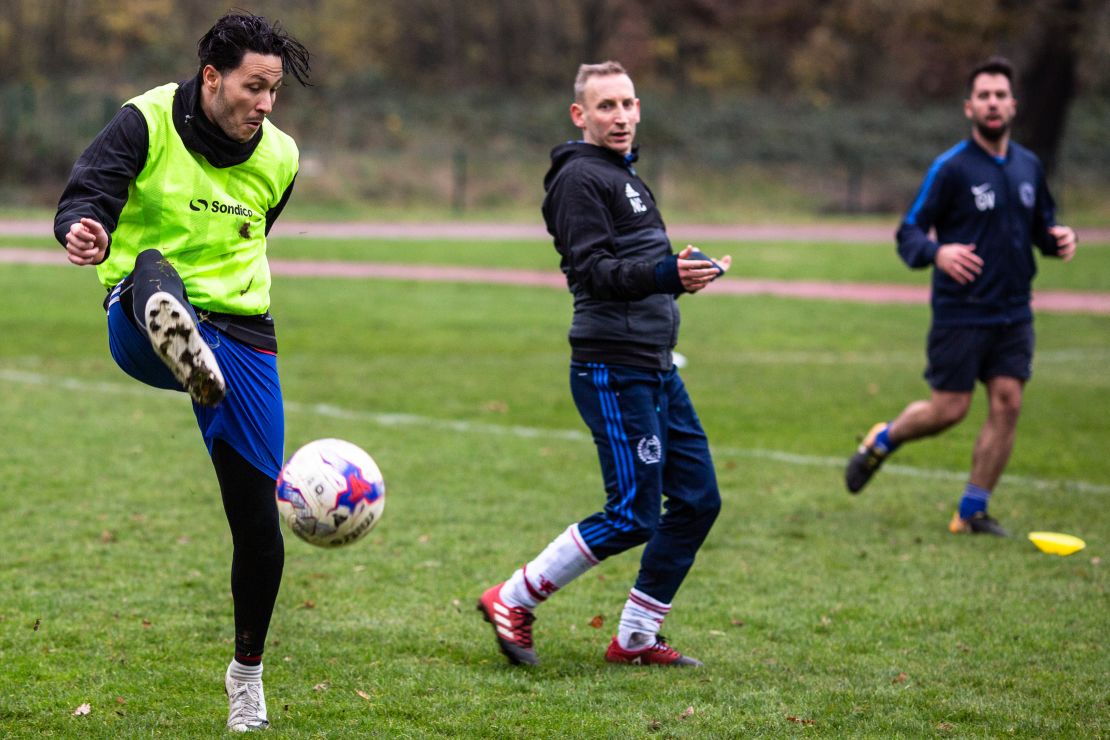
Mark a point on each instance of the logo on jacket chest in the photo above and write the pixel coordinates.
(634, 198)
(1028, 194)
(984, 196)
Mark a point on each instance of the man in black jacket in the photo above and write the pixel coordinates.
(625, 281)
(988, 201)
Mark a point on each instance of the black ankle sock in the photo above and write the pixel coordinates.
(152, 274)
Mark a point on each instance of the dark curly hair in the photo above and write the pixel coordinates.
(238, 32)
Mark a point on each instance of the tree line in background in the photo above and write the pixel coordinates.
(489, 68)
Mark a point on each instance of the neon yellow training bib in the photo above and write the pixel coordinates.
(209, 222)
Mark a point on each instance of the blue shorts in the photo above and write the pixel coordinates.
(251, 418)
(960, 355)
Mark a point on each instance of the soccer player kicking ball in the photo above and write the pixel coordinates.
(988, 201)
(172, 203)
(625, 280)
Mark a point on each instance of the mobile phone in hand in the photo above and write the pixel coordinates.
(697, 254)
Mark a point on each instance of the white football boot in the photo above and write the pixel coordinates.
(246, 704)
(178, 342)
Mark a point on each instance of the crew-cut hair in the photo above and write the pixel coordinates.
(586, 71)
(238, 32)
(992, 66)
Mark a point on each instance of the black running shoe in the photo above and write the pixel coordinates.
(865, 462)
(979, 523)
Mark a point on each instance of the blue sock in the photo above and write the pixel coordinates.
(882, 441)
(975, 500)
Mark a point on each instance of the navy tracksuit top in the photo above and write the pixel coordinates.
(1003, 207)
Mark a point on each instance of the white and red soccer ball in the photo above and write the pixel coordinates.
(330, 493)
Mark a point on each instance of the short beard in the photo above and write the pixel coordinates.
(992, 134)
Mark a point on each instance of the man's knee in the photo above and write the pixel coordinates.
(1005, 396)
(700, 510)
(708, 506)
(950, 408)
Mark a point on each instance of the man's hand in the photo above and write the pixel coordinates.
(86, 242)
(698, 272)
(959, 262)
(1066, 242)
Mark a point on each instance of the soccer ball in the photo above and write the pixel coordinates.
(330, 493)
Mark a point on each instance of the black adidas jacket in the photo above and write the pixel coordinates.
(616, 257)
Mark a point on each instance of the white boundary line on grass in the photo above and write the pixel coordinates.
(8, 375)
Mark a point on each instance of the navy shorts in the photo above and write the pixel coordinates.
(960, 355)
(251, 418)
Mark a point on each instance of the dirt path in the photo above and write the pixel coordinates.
(1047, 301)
(464, 230)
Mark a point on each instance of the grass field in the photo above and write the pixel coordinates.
(817, 613)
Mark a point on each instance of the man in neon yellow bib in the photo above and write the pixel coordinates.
(172, 203)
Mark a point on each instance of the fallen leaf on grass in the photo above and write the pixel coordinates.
(308, 604)
(946, 726)
(363, 694)
(321, 686)
(82, 710)
(800, 720)
(597, 622)
(900, 678)
(107, 536)
(655, 725)
(687, 712)
(738, 623)
(147, 624)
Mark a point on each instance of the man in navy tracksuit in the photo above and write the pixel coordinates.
(988, 201)
(625, 281)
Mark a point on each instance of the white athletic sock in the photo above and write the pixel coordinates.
(566, 558)
(240, 672)
(640, 621)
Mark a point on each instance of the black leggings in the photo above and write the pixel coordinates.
(259, 550)
(248, 493)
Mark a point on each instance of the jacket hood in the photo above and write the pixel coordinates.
(571, 150)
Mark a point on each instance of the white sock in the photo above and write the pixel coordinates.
(240, 672)
(640, 621)
(566, 558)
